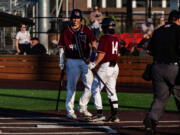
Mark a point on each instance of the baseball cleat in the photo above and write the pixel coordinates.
(113, 119)
(71, 116)
(97, 117)
(150, 126)
(83, 111)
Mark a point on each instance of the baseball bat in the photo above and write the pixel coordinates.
(60, 87)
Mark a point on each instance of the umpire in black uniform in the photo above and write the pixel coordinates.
(165, 49)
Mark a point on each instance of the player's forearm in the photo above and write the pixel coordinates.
(29, 38)
(100, 56)
(94, 44)
(17, 44)
(94, 50)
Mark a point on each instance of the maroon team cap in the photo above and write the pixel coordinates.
(76, 13)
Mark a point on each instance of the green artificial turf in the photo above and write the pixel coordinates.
(46, 100)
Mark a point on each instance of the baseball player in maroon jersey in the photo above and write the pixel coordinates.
(108, 71)
(75, 43)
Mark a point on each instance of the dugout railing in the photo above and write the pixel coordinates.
(45, 68)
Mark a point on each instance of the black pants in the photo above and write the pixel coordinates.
(163, 80)
(24, 48)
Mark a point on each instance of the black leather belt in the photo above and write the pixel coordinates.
(112, 63)
(168, 63)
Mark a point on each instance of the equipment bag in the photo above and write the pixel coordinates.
(147, 75)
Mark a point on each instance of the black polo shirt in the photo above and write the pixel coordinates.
(165, 43)
(38, 49)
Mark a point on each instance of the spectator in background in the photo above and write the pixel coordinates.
(161, 22)
(37, 48)
(23, 40)
(142, 46)
(95, 20)
(147, 26)
(123, 50)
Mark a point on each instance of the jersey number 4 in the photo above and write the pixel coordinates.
(114, 47)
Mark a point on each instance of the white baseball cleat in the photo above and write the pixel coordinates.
(83, 111)
(71, 116)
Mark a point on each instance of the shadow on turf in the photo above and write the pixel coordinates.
(27, 97)
(76, 102)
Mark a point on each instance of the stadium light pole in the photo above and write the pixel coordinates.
(129, 20)
(148, 8)
(67, 9)
(43, 21)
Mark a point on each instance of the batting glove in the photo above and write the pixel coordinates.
(92, 65)
(61, 65)
(61, 58)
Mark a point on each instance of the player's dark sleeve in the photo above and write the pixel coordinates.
(93, 54)
(142, 42)
(151, 42)
(177, 37)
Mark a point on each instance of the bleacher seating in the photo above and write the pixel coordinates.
(137, 30)
(130, 38)
(138, 35)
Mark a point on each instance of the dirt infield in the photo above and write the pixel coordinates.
(16, 122)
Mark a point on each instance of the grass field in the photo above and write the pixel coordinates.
(46, 100)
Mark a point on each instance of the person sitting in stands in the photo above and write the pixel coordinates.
(147, 26)
(161, 22)
(123, 50)
(23, 40)
(142, 46)
(37, 48)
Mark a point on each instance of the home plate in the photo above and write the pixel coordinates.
(105, 128)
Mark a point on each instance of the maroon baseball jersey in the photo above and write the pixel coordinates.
(109, 45)
(68, 41)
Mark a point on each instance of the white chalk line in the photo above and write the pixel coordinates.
(32, 118)
(106, 129)
(53, 133)
(159, 126)
(88, 127)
